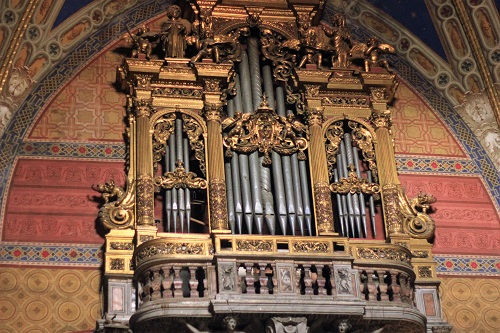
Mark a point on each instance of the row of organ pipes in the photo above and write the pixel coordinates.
(177, 200)
(261, 196)
(352, 214)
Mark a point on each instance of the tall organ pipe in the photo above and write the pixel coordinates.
(232, 185)
(175, 208)
(187, 192)
(168, 193)
(287, 168)
(235, 169)
(298, 193)
(306, 198)
(372, 205)
(344, 174)
(245, 104)
(361, 197)
(249, 105)
(354, 197)
(179, 155)
(276, 165)
(344, 227)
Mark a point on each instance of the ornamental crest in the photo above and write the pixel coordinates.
(264, 131)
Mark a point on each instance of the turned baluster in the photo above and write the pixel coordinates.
(193, 282)
(382, 286)
(372, 287)
(394, 287)
(177, 282)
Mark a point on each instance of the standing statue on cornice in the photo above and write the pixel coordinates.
(174, 32)
(341, 41)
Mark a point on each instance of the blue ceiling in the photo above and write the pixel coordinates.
(412, 14)
(415, 17)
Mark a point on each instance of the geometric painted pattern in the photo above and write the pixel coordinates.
(91, 256)
(471, 304)
(467, 265)
(86, 109)
(435, 165)
(49, 300)
(51, 254)
(418, 130)
(73, 150)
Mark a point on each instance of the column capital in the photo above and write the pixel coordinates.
(315, 116)
(212, 112)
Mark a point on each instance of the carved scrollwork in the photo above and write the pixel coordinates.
(364, 139)
(121, 246)
(179, 178)
(117, 214)
(265, 131)
(169, 248)
(163, 128)
(117, 264)
(283, 53)
(254, 245)
(403, 216)
(334, 135)
(194, 132)
(310, 247)
(417, 224)
(354, 184)
(380, 253)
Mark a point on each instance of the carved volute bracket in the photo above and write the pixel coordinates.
(117, 213)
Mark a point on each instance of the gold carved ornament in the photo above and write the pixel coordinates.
(264, 131)
(360, 134)
(283, 55)
(254, 245)
(353, 184)
(310, 247)
(163, 128)
(179, 178)
(416, 221)
(408, 216)
(194, 133)
(364, 139)
(117, 213)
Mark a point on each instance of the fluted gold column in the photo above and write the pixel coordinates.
(144, 164)
(319, 170)
(386, 162)
(216, 176)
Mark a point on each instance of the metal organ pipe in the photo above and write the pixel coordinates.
(344, 174)
(180, 192)
(256, 92)
(372, 205)
(354, 197)
(233, 185)
(168, 194)
(361, 197)
(287, 168)
(187, 192)
(245, 105)
(175, 207)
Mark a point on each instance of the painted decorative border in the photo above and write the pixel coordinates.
(467, 265)
(91, 256)
(51, 254)
(73, 149)
(437, 165)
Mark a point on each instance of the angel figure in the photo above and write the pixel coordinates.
(371, 52)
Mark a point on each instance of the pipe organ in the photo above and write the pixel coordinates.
(262, 192)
